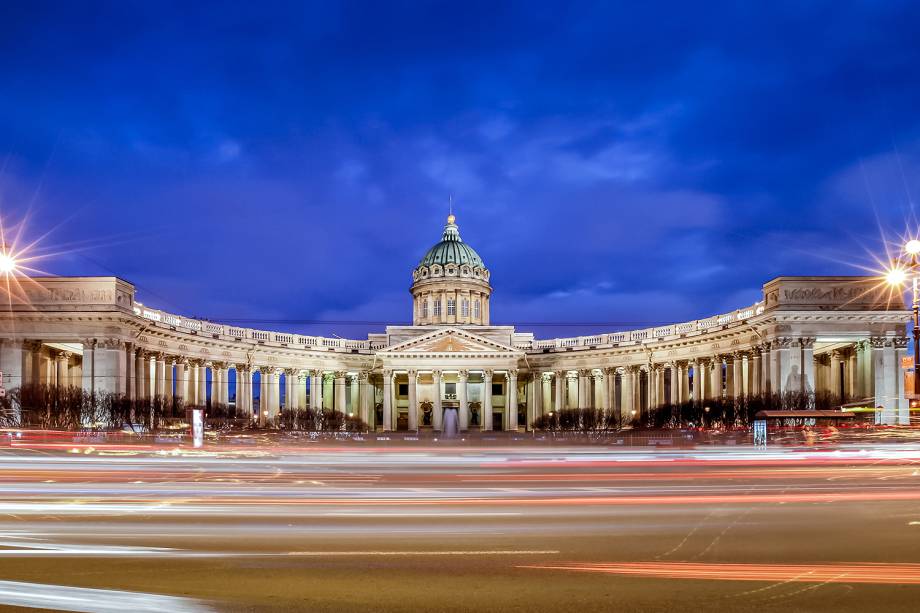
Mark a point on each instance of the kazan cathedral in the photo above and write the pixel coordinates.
(840, 335)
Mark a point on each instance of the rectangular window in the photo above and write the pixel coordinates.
(437, 308)
(465, 308)
(425, 309)
(496, 389)
(403, 389)
(476, 309)
(451, 306)
(450, 389)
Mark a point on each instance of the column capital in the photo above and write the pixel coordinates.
(463, 374)
(512, 373)
(387, 374)
(584, 372)
(900, 342)
(807, 342)
(487, 373)
(363, 376)
(878, 342)
(339, 374)
(436, 373)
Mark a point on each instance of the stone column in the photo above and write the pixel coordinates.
(274, 394)
(202, 384)
(387, 400)
(240, 390)
(15, 363)
(437, 411)
(730, 379)
(511, 406)
(181, 381)
(61, 378)
(363, 396)
(248, 400)
(782, 365)
(539, 395)
(886, 384)
(606, 389)
(851, 374)
(486, 420)
(596, 385)
(301, 391)
(766, 369)
(835, 383)
(140, 362)
(755, 370)
(737, 387)
(695, 396)
(413, 400)
(583, 388)
(262, 414)
(675, 383)
(224, 385)
(626, 394)
(297, 389)
(168, 385)
(315, 378)
(88, 381)
(655, 384)
(679, 388)
(807, 385)
(462, 377)
(559, 403)
(338, 391)
(159, 375)
(715, 378)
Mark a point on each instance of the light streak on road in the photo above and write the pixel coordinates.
(886, 574)
(64, 598)
(400, 553)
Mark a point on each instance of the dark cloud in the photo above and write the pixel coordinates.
(611, 163)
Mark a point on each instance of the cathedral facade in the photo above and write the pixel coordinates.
(840, 335)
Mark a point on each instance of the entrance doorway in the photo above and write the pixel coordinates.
(451, 425)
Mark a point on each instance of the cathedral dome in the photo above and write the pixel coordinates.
(452, 249)
(450, 285)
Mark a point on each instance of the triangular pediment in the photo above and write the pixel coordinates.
(451, 341)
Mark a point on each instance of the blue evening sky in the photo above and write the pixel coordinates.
(618, 163)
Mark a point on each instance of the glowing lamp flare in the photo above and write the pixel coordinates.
(7, 263)
(896, 276)
(912, 247)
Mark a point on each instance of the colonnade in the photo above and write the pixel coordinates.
(865, 369)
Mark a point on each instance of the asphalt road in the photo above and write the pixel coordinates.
(536, 528)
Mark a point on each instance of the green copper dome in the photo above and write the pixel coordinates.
(452, 249)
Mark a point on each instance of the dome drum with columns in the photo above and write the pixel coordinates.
(450, 286)
(840, 335)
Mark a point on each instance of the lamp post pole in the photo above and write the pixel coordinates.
(916, 309)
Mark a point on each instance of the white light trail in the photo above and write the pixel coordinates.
(65, 598)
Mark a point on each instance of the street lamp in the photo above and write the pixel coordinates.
(908, 269)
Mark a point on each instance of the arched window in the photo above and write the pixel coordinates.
(476, 309)
(465, 308)
(451, 306)
(437, 307)
(425, 308)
